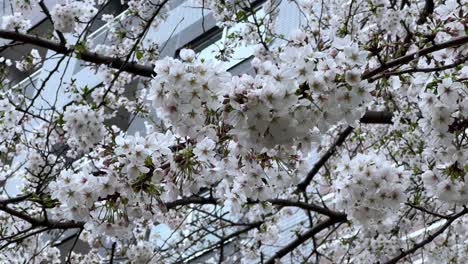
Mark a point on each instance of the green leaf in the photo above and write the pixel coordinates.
(241, 16)
(86, 90)
(139, 54)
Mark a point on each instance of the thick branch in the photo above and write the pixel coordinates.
(413, 70)
(147, 71)
(428, 239)
(308, 206)
(304, 237)
(408, 58)
(71, 224)
(85, 55)
(426, 12)
(40, 222)
(280, 202)
(47, 13)
(371, 117)
(377, 117)
(302, 186)
(16, 199)
(190, 200)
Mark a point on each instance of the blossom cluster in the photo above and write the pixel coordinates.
(186, 93)
(370, 189)
(16, 22)
(77, 193)
(300, 93)
(10, 125)
(145, 9)
(73, 15)
(440, 106)
(142, 252)
(89, 199)
(241, 145)
(30, 62)
(133, 153)
(448, 184)
(445, 113)
(111, 196)
(83, 126)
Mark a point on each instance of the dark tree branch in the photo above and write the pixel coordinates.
(111, 261)
(85, 55)
(47, 13)
(302, 186)
(426, 12)
(455, 42)
(429, 239)
(422, 209)
(304, 237)
(377, 117)
(147, 70)
(67, 225)
(309, 207)
(190, 200)
(40, 222)
(413, 70)
(16, 199)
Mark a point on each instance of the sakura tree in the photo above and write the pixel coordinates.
(357, 120)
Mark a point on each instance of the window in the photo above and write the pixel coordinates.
(30, 83)
(212, 44)
(203, 41)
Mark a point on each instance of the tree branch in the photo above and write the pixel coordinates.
(370, 117)
(147, 70)
(85, 55)
(308, 206)
(16, 199)
(190, 200)
(304, 237)
(41, 222)
(377, 117)
(407, 58)
(429, 239)
(47, 13)
(302, 186)
(111, 261)
(427, 11)
(413, 70)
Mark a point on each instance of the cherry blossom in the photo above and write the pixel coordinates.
(16, 22)
(344, 140)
